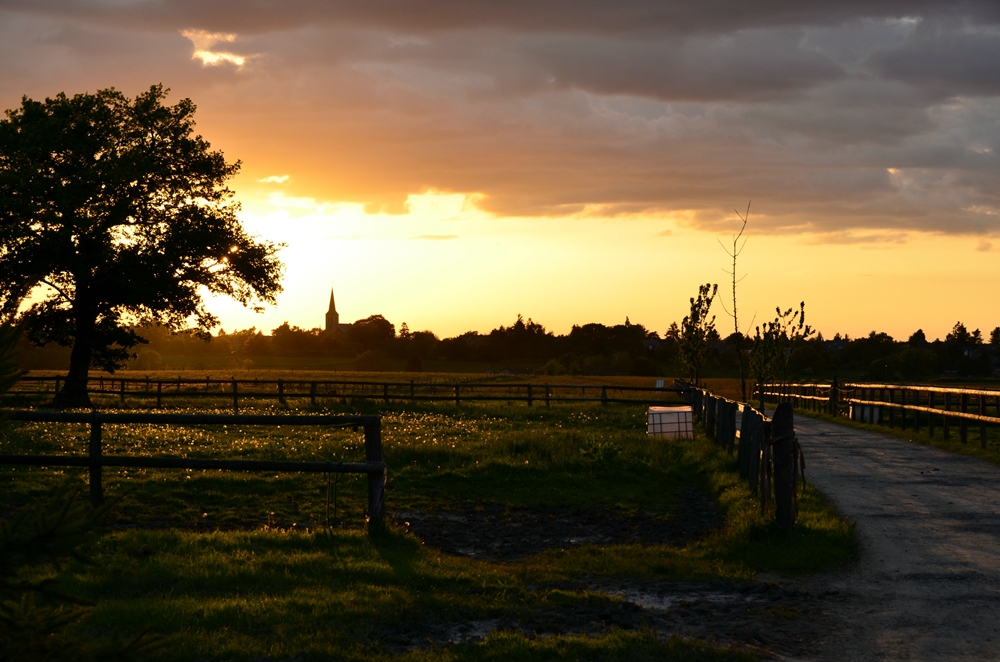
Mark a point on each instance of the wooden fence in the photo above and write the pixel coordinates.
(768, 451)
(233, 391)
(897, 404)
(373, 465)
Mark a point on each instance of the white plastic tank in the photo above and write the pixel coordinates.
(670, 422)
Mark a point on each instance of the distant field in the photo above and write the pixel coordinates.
(237, 566)
(306, 374)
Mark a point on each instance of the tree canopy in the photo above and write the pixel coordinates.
(698, 331)
(114, 214)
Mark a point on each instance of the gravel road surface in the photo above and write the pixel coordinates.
(927, 586)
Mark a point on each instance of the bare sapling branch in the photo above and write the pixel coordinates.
(734, 253)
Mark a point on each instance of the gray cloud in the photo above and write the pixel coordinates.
(853, 119)
(948, 57)
(526, 16)
(756, 64)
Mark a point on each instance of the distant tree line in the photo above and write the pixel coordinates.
(525, 346)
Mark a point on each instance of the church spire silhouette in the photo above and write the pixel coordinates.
(332, 316)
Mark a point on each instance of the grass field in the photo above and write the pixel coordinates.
(237, 566)
(308, 372)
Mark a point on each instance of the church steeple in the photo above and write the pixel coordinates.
(332, 316)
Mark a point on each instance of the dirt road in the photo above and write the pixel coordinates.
(928, 583)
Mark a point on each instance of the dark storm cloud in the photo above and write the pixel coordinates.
(750, 65)
(531, 16)
(949, 57)
(854, 118)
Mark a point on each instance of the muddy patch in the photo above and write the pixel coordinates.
(772, 619)
(504, 533)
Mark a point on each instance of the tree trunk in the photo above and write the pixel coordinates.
(74, 392)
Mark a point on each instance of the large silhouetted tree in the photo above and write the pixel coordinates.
(113, 214)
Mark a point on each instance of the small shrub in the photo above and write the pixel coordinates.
(600, 452)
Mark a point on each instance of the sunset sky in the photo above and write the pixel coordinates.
(451, 164)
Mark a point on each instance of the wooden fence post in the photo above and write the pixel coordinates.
(159, 394)
(982, 423)
(930, 417)
(743, 450)
(57, 384)
(458, 399)
(236, 398)
(720, 421)
(121, 384)
(945, 427)
(731, 424)
(96, 489)
(529, 395)
(782, 449)
(710, 412)
(376, 479)
(281, 393)
(412, 390)
(604, 395)
(547, 396)
(833, 397)
(963, 430)
(312, 393)
(765, 469)
(916, 414)
(902, 412)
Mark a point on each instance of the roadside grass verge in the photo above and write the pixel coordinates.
(231, 565)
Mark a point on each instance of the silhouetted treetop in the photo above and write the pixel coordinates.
(120, 212)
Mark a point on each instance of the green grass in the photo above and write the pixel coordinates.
(234, 565)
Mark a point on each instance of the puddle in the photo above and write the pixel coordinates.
(665, 601)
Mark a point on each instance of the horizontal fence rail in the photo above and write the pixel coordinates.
(896, 404)
(373, 466)
(282, 390)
